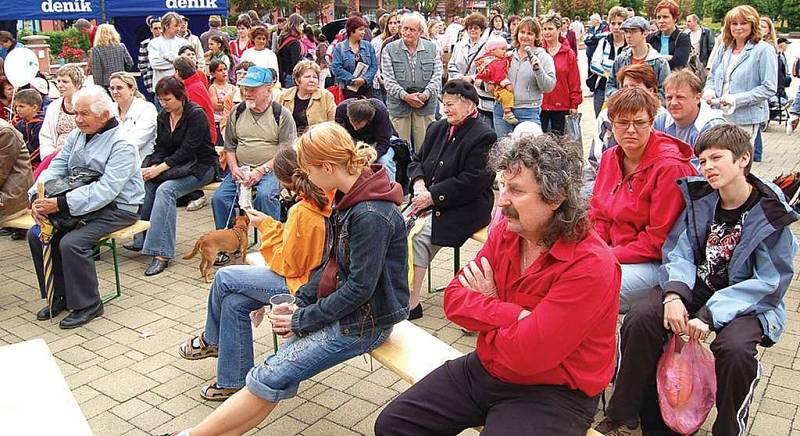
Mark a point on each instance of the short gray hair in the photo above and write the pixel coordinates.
(416, 16)
(100, 101)
(556, 164)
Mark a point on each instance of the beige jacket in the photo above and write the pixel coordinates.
(321, 108)
(15, 171)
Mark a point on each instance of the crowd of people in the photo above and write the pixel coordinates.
(320, 143)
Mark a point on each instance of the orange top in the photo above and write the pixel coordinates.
(637, 61)
(294, 249)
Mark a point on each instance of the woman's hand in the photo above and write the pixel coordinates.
(708, 96)
(697, 329)
(422, 201)
(360, 81)
(281, 319)
(419, 187)
(256, 217)
(573, 112)
(479, 281)
(675, 314)
(151, 172)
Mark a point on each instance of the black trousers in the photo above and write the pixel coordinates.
(635, 398)
(553, 121)
(75, 275)
(460, 394)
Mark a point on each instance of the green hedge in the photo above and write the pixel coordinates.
(57, 37)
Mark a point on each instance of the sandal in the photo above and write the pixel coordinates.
(216, 393)
(196, 348)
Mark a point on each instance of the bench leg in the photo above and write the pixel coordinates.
(112, 245)
(456, 267)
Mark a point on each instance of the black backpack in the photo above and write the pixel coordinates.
(276, 111)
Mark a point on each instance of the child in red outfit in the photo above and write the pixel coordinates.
(492, 68)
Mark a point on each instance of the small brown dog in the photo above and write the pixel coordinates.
(215, 241)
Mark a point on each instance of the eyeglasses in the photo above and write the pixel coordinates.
(638, 124)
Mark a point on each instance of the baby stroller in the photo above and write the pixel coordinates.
(778, 110)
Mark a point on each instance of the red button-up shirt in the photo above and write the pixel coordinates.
(572, 292)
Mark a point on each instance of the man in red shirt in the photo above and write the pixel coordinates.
(543, 295)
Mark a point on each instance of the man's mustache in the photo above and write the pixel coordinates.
(510, 212)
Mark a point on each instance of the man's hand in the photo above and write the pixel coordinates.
(422, 201)
(413, 101)
(422, 97)
(43, 207)
(236, 173)
(675, 314)
(697, 329)
(479, 281)
(253, 178)
(151, 172)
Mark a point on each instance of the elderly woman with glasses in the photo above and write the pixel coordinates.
(137, 116)
(635, 200)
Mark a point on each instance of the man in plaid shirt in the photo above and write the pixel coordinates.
(144, 63)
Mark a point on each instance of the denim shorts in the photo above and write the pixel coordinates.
(301, 358)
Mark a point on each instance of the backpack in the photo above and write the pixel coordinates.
(277, 111)
(790, 185)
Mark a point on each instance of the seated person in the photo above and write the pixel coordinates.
(687, 114)
(704, 289)
(252, 137)
(542, 294)
(108, 204)
(350, 305)
(291, 252)
(367, 120)
(635, 200)
(308, 102)
(15, 172)
(183, 142)
(29, 118)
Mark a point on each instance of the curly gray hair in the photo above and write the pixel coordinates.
(556, 164)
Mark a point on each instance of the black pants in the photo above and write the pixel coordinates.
(553, 121)
(642, 341)
(75, 276)
(460, 394)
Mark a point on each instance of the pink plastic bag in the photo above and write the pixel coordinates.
(687, 384)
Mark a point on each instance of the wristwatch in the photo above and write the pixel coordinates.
(263, 169)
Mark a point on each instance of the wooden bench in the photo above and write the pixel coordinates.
(213, 186)
(479, 236)
(109, 241)
(38, 399)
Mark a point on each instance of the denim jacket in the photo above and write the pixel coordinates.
(762, 264)
(372, 285)
(753, 81)
(344, 62)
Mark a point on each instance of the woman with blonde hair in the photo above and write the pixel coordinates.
(330, 324)
(768, 31)
(109, 55)
(137, 116)
(743, 73)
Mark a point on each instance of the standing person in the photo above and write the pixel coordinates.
(768, 31)
(727, 266)
(322, 61)
(214, 23)
(243, 41)
(531, 76)
(86, 28)
(218, 91)
(163, 51)
(109, 55)
(8, 42)
(784, 75)
(567, 33)
(59, 119)
(462, 63)
(412, 73)
(307, 101)
(595, 33)
(144, 61)
(743, 73)
(137, 116)
(702, 38)
(259, 54)
(194, 41)
(542, 294)
(638, 52)
(290, 49)
(187, 51)
(277, 32)
(392, 33)
(333, 320)
(348, 54)
(107, 204)
(219, 51)
(577, 27)
(182, 140)
(497, 26)
(673, 44)
(635, 220)
(605, 55)
(566, 96)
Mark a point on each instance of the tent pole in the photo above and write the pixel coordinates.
(103, 11)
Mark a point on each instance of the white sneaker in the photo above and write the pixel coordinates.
(791, 123)
(196, 204)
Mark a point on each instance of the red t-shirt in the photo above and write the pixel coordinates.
(572, 292)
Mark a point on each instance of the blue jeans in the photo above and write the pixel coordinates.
(159, 202)
(237, 290)
(266, 200)
(387, 160)
(288, 82)
(758, 145)
(504, 129)
(638, 280)
(796, 105)
(301, 358)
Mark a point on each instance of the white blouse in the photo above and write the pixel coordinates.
(139, 126)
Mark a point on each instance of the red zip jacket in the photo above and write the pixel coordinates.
(572, 292)
(567, 93)
(198, 94)
(634, 215)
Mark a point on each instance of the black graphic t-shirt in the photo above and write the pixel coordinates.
(724, 236)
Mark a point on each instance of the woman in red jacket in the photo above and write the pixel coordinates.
(565, 98)
(635, 200)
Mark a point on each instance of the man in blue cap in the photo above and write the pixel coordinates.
(256, 129)
(638, 52)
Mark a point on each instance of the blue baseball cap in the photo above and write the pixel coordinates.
(636, 22)
(258, 76)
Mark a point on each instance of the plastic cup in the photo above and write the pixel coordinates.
(279, 299)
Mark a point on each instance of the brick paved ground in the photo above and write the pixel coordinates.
(129, 384)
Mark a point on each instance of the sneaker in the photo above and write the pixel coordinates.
(196, 204)
(415, 313)
(222, 259)
(791, 123)
(610, 428)
(510, 119)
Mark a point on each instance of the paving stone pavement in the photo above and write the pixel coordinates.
(128, 379)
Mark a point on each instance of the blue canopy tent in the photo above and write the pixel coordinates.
(129, 17)
(51, 10)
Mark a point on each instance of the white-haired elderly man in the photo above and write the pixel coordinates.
(105, 205)
(412, 75)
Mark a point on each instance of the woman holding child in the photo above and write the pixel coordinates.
(351, 303)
